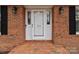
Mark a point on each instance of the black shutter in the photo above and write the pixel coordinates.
(4, 16)
(72, 20)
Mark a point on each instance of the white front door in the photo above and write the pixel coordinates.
(39, 25)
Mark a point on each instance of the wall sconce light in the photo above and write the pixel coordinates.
(61, 10)
(14, 9)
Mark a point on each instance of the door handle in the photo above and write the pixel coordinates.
(32, 25)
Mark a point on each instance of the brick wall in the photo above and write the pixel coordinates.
(15, 29)
(61, 28)
(16, 23)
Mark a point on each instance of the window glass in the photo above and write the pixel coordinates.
(0, 20)
(48, 17)
(29, 17)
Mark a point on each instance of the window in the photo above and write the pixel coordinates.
(0, 20)
(73, 20)
(77, 19)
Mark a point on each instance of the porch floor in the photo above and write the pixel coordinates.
(36, 47)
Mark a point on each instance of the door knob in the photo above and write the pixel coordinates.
(32, 25)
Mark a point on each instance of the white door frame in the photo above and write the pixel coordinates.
(30, 25)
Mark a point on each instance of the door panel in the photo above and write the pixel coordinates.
(38, 23)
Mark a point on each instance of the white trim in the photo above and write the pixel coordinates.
(38, 9)
(77, 33)
(38, 6)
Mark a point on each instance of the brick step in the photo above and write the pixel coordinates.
(38, 48)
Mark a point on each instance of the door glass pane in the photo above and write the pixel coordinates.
(29, 17)
(48, 18)
(38, 23)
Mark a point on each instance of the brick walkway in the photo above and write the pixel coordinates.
(38, 48)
